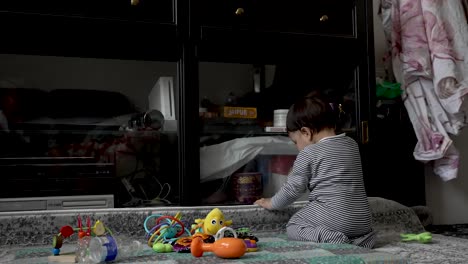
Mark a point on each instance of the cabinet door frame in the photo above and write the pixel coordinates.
(367, 96)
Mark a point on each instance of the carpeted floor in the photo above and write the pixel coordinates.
(460, 230)
(442, 250)
(274, 247)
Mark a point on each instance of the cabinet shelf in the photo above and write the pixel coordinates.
(254, 131)
(243, 132)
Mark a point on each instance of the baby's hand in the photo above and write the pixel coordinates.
(264, 202)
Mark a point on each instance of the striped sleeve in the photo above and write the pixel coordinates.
(296, 184)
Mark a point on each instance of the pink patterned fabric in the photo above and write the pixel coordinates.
(428, 41)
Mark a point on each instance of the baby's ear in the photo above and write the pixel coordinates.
(306, 131)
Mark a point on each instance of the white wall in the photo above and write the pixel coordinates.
(447, 200)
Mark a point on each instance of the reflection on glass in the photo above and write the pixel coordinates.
(75, 126)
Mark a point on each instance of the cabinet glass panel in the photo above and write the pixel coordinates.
(245, 152)
(83, 126)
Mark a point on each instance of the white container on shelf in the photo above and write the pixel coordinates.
(279, 117)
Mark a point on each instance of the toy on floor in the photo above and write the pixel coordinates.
(204, 228)
(424, 237)
(162, 248)
(223, 247)
(67, 231)
(167, 230)
(214, 224)
(242, 233)
(210, 225)
(84, 236)
(251, 244)
(227, 247)
(182, 245)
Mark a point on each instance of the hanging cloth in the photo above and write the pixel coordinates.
(428, 42)
(465, 7)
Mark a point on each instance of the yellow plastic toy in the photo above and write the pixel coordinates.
(211, 224)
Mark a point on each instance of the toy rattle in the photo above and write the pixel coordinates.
(223, 247)
(226, 247)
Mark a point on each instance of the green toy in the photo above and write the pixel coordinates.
(424, 237)
(162, 248)
(388, 90)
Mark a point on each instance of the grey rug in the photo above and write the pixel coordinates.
(442, 250)
(460, 230)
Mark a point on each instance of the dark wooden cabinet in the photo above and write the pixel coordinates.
(272, 31)
(227, 14)
(101, 29)
(162, 11)
(323, 17)
(302, 17)
(325, 44)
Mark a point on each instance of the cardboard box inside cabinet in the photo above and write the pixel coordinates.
(239, 112)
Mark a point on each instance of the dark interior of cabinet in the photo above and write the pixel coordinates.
(335, 81)
(292, 80)
(393, 172)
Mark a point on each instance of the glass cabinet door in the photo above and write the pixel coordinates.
(245, 152)
(89, 103)
(78, 127)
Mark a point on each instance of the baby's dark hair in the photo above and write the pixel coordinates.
(313, 112)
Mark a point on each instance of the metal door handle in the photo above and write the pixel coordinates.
(364, 132)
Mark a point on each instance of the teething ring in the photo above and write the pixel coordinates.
(182, 230)
(220, 233)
